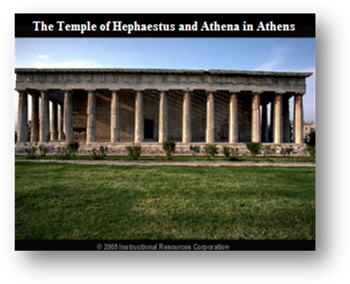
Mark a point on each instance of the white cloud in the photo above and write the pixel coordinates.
(308, 69)
(277, 56)
(68, 64)
(43, 56)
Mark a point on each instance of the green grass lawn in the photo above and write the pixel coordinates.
(292, 159)
(64, 201)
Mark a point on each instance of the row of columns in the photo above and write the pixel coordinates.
(279, 118)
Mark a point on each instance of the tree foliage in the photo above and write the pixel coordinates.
(169, 148)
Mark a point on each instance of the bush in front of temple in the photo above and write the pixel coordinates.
(64, 152)
(99, 154)
(211, 150)
(134, 152)
(286, 151)
(268, 151)
(74, 146)
(42, 150)
(195, 150)
(254, 148)
(230, 153)
(169, 148)
(310, 141)
(31, 152)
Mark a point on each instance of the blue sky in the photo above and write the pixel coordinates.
(265, 54)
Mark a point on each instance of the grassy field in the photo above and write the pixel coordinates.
(63, 201)
(256, 159)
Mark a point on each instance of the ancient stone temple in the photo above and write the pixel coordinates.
(156, 105)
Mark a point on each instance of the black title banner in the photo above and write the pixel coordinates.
(165, 25)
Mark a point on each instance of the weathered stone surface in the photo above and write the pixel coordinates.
(155, 149)
(256, 117)
(278, 119)
(298, 118)
(91, 117)
(139, 130)
(22, 129)
(163, 117)
(115, 126)
(233, 128)
(68, 116)
(44, 117)
(161, 79)
(34, 135)
(157, 105)
(61, 135)
(186, 121)
(210, 137)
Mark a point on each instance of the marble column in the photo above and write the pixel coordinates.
(139, 124)
(256, 117)
(163, 117)
(34, 134)
(210, 130)
(44, 130)
(68, 116)
(278, 119)
(186, 118)
(54, 114)
(233, 123)
(115, 117)
(264, 124)
(91, 117)
(298, 118)
(286, 120)
(60, 122)
(22, 128)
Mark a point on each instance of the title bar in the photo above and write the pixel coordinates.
(164, 25)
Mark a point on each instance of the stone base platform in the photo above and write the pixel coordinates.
(156, 149)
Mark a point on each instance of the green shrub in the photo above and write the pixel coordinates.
(226, 151)
(286, 151)
(94, 154)
(234, 154)
(103, 151)
(312, 152)
(310, 139)
(73, 146)
(42, 150)
(195, 150)
(267, 150)
(134, 152)
(230, 153)
(169, 148)
(99, 154)
(211, 150)
(254, 148)
(31, 152)
(64, 152)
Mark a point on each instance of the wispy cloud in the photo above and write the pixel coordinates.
(43, 56)
(68, 64)
(275, 60)
(308, 69)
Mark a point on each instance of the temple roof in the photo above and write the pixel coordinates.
(162, 71)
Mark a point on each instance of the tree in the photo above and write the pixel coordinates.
(169, 148)
(310, 139)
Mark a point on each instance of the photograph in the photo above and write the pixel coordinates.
(151, 142)
(174, 141)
